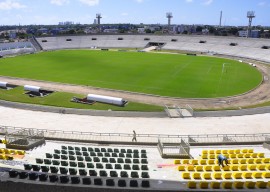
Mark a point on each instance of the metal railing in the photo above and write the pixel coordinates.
(141, 138)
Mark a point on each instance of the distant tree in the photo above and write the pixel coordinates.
(199, 29)
(148, 31)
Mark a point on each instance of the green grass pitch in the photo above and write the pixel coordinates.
(172, 75)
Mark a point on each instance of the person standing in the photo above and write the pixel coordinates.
(134, 136)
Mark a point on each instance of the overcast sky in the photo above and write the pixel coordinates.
(133, 11)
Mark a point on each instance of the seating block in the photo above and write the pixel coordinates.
(206, 176)
(176, 161)
(243, 167)
(203, 162)
(266, 175)
(216, 168)
(234, 167)
(199, 168)
(190, 168)
(247, 175)
(207, 168)
(211, 161)
(261, 167)
(181, 168)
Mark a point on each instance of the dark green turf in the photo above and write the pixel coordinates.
(159, 74)
(60, 99)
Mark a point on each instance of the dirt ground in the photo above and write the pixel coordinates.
(260, 94)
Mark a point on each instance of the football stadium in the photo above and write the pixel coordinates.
(45, 158)
(135, 112)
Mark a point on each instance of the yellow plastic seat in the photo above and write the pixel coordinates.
(226, 168)
(240, 155)
(250, 184)
(196, 176)
(181, 168)
(203, 162)
(195, 162)
(237, 175)
(247, 175)
(232, 156)
(234, 161)
(216, 168)
(206, 176)
(250, 151)
(185, 161)
(186, 175)
(266, 175)
(217, 175)
(207, 168)
(260, 155)
(261, 184)
(211, 161)
(231, 151)
(252, 167)
(199, 168)
(261, 167)
(204, 156)
(176, 162)
(204, 151)
(247, 155)
(224, 151)
(244, 151)
(21, 152)
(2, 156)
(266, 160)
(227, 185)
(267, 166)
(2, 150)
(227, 175)
(212, 156)
(203, 185)
(238, 184)
(243, 167)
(234, 167)
(190, 168)
(257, 175)
(237, 151)
(7, 151)
(268, 184)
(215, 185)
(192, 185)
(242, 161)
(218, 151)
(254, 155)
(258, 161)
(250, 161)
(211, 151)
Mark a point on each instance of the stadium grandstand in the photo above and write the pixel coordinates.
(16, 48)
(232, 46)
(66, 163)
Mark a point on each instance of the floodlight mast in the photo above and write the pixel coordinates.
(98, 16)
(169, 17)
(250, 16)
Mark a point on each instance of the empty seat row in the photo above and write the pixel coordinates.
(12, 151)
(237, 167)
(225, 175)
(45, 168)
(75, 179)
(228, 185)
(94, 154)
(91, 149)
(234, 156)
(227, 151)
(215, 161)
(88, 159)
